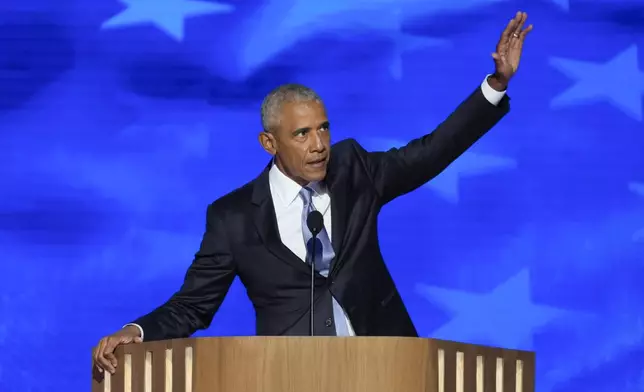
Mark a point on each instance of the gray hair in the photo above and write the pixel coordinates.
(272, 105)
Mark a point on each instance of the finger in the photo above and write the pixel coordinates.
(105, 364)
(108, 356)
(521, 18)
(98, 353)
(95, 359)
(520, 34)
(113, 343)
(506, 37)
(498, 58)
(509, 29)
(517, 44)
(101, 360)
(525, 31)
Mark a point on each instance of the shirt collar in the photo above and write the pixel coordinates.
(286, 189)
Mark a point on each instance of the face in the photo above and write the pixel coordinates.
(301, 143)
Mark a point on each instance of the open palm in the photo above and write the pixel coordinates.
(510, 46)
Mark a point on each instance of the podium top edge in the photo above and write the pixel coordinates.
(438, 342)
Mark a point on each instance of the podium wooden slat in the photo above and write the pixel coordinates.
(470, 368)
(316, 364)
(489, 371)
(450, 369)
(118, 378)
(158, 378)
(137, 368)
(509, 371)
(529, 371)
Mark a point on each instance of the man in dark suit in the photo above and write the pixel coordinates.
(260, 234)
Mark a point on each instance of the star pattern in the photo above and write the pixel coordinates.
(603, 339)
(167, 15)
(404, 43)
(638, 189)
(113, 148)
(619, 81)
(504, 317)
(281, 24)
(469, 164)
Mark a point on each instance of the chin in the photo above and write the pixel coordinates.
(317, 178)
(316, 175)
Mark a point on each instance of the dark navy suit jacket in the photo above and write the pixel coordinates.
(242, 240)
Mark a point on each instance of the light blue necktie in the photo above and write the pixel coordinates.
(323, 255)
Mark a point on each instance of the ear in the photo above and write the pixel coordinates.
(267, 140)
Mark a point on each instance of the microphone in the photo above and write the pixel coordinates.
(315, 223)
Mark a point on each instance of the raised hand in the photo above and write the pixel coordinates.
(508, 51)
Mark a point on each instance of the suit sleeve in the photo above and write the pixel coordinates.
(402, 170)
(205, 285)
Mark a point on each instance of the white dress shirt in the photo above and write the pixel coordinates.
(288, 211)
(288, 206)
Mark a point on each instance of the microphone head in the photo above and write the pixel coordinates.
(315, 222)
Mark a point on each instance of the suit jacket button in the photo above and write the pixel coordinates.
(328, 322)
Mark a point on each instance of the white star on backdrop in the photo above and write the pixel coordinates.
(167, 15)
(407, 43)
(281, 23)
(638, 189)
(469, 164)
(505, 317)
(619, 81)
(603, 339)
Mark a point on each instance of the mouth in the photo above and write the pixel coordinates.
(318, 163)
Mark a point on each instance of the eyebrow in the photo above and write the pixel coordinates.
(325, 124)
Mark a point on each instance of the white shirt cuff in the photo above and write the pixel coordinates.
(493, 96)
(138, 326)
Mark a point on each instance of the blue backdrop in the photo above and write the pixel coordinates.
(121, 120)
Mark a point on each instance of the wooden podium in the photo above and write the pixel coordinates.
(317, 364)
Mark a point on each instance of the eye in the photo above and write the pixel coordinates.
(324, 127)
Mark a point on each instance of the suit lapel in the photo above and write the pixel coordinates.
(337, 189)
(266, 223)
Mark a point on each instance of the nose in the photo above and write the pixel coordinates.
(317, 144)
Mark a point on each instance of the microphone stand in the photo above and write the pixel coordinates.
(315, 224)
(312, 260)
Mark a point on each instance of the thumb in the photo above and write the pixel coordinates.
(138, 340)
(498, 58)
